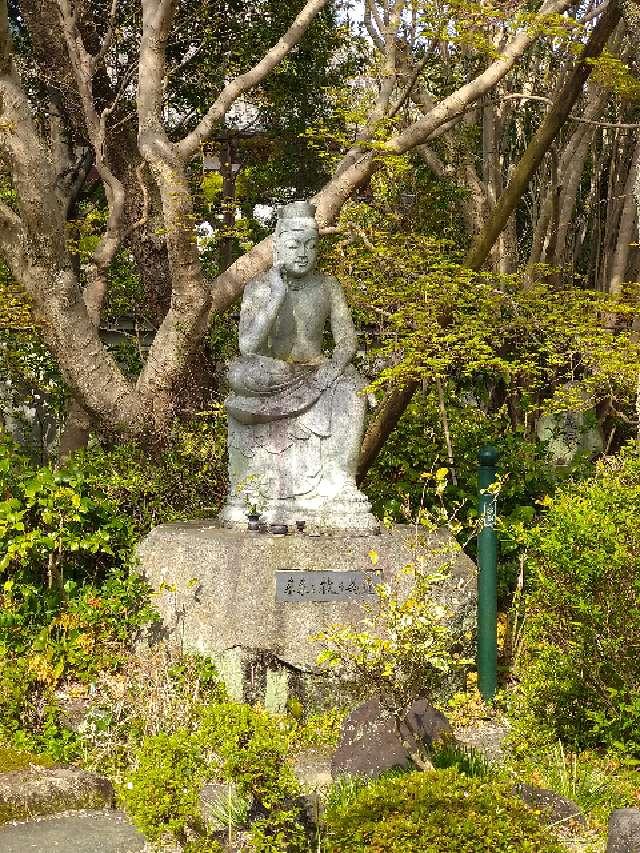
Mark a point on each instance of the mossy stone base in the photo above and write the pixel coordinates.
(216, 593)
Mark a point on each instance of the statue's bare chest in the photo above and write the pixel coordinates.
(299, 327)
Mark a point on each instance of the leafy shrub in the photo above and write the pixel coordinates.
(400, 483)
(404, 648)
(234, 743)
(13, 759)
(162, 691)
(69, 607)
(581, 670)
(187, 478)
(435, 812)
(53, 525)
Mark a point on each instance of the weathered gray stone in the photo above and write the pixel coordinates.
(73, 832)
(485, 737)
(556, 808)
(44, 791)
(296, 416)
(624, 831)
(216, 595)
(571, 432)
(313, 771)
(370, 745)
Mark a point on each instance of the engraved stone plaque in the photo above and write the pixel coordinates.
(325, 586)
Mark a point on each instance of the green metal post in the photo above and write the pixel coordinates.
(487, 582)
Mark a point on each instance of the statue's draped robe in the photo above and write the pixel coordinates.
(281, 410)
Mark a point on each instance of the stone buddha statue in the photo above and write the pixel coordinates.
(296, 414)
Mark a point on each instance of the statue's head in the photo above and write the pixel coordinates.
(295, 245)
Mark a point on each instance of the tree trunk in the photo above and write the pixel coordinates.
(392, 409)
(544, 136)
(626, 228)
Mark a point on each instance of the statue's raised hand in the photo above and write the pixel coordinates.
(278, 283)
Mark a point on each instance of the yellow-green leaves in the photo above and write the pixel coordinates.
(403, 648)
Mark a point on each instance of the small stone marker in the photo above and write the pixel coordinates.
(624, 831)
(299, 586)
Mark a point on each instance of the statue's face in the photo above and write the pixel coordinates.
(298, 250)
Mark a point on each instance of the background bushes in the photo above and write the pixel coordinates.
(443, 812)
(69, 606)
(580, 675)
(235, 744)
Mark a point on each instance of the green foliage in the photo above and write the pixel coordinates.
(437, 318)
(403, 481)
(319, 730)
(402, 649)
(15, 307)
(434, 813)
(53, 526)
(598, 784)
(449, 753)
(612, 73)
(156, 690)
(184, 479)
(14, 759)
(32, 399)
(233, 743)
(70, 608)
(581, 670)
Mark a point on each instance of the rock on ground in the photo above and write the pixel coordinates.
(44, 791)
(624, 831)
(484, 736)
(369, 743)
(558, 811)
(73, 832)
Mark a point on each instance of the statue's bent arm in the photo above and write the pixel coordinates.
(260, 307)
(342, 328)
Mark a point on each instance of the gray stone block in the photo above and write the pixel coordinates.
(44, 791)
(216, 593)
(558, 810)
(624, 831)
(73, 832)
(312, 769)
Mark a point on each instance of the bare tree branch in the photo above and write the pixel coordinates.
(6, 60)
(625, 228)
(543, 138)
(459, 100)
(593, 13)
(186, 321)
(371, 13)
(232, 91)
(228, 286)
(108, 39)
(84, 67)
(520, 96)
(380, 110)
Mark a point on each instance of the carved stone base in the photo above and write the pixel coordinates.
(216, 594)
(350, 512)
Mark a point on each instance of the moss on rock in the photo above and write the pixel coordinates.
(38, 791)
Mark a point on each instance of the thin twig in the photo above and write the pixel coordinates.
(521, 96)
(445, 427)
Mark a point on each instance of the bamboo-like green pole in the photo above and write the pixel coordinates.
(487, 650)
